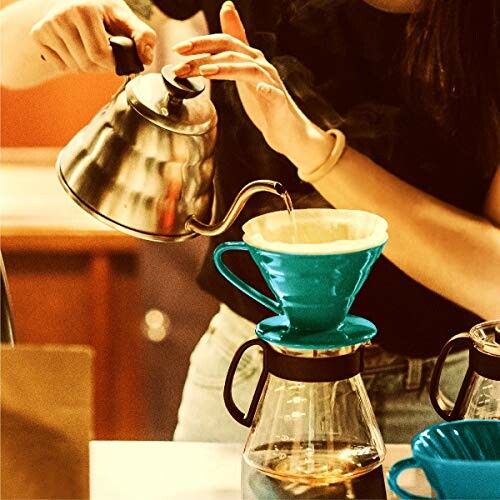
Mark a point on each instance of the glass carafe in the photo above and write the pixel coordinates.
(479, 395)
(313, 433)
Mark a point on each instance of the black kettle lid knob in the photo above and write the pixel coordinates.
(181, 88)
(127, 60)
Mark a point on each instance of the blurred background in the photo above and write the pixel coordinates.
(72, 280)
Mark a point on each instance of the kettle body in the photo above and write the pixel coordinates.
(144, 164)
(479, 394)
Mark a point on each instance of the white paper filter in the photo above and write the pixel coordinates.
(317, 231)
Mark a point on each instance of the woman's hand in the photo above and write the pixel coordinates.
(263, 95)
(73, 34)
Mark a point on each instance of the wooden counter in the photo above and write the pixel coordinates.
(73, 280)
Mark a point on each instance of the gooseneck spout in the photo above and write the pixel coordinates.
(192, 224)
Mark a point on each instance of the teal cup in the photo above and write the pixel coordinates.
(461, 459)
(313, 273)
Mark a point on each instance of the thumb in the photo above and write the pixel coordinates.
(230, 22)
(145, 41)
(125, 23)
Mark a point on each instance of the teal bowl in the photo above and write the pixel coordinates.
(461, 459)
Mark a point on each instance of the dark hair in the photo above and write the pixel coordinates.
(451, 69)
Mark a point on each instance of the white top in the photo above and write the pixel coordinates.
(154, 470)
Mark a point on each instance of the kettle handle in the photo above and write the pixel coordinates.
(127, 60)
(235, 412)
(446, 409)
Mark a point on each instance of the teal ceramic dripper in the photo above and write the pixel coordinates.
(314, 271)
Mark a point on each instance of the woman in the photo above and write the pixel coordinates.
(414, 86)
(416, 92)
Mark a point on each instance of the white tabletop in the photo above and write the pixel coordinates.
(154, 470)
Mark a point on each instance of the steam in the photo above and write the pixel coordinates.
(371, 127)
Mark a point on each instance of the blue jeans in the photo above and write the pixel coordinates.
(397, 386)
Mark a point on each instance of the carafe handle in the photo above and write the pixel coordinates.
(235, 412)
(444, 408)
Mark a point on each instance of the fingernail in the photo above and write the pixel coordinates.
(182, 69)
(209, 69)
(183, 47)
(228, 5)
(148, 54)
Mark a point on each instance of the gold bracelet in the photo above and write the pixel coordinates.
(330, 162)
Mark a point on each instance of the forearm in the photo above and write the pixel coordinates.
(448, 250)
(22, 65)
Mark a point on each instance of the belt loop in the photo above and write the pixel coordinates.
(414, 375)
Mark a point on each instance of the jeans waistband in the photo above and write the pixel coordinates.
(417, 370)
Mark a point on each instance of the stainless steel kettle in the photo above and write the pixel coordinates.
(144, 164)
(479, 394)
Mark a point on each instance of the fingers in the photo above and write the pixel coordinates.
(124, 22)
(74, 35)
(248, 72)
(94, 40)
(51, 57)
(51, 47)
(230, 65)
(78, 49)
(192, 67)
(233, 36)
(145, 42)
(231, 23)
(214, 44)
(72, 44)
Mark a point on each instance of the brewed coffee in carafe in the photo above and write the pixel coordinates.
(313, 433)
